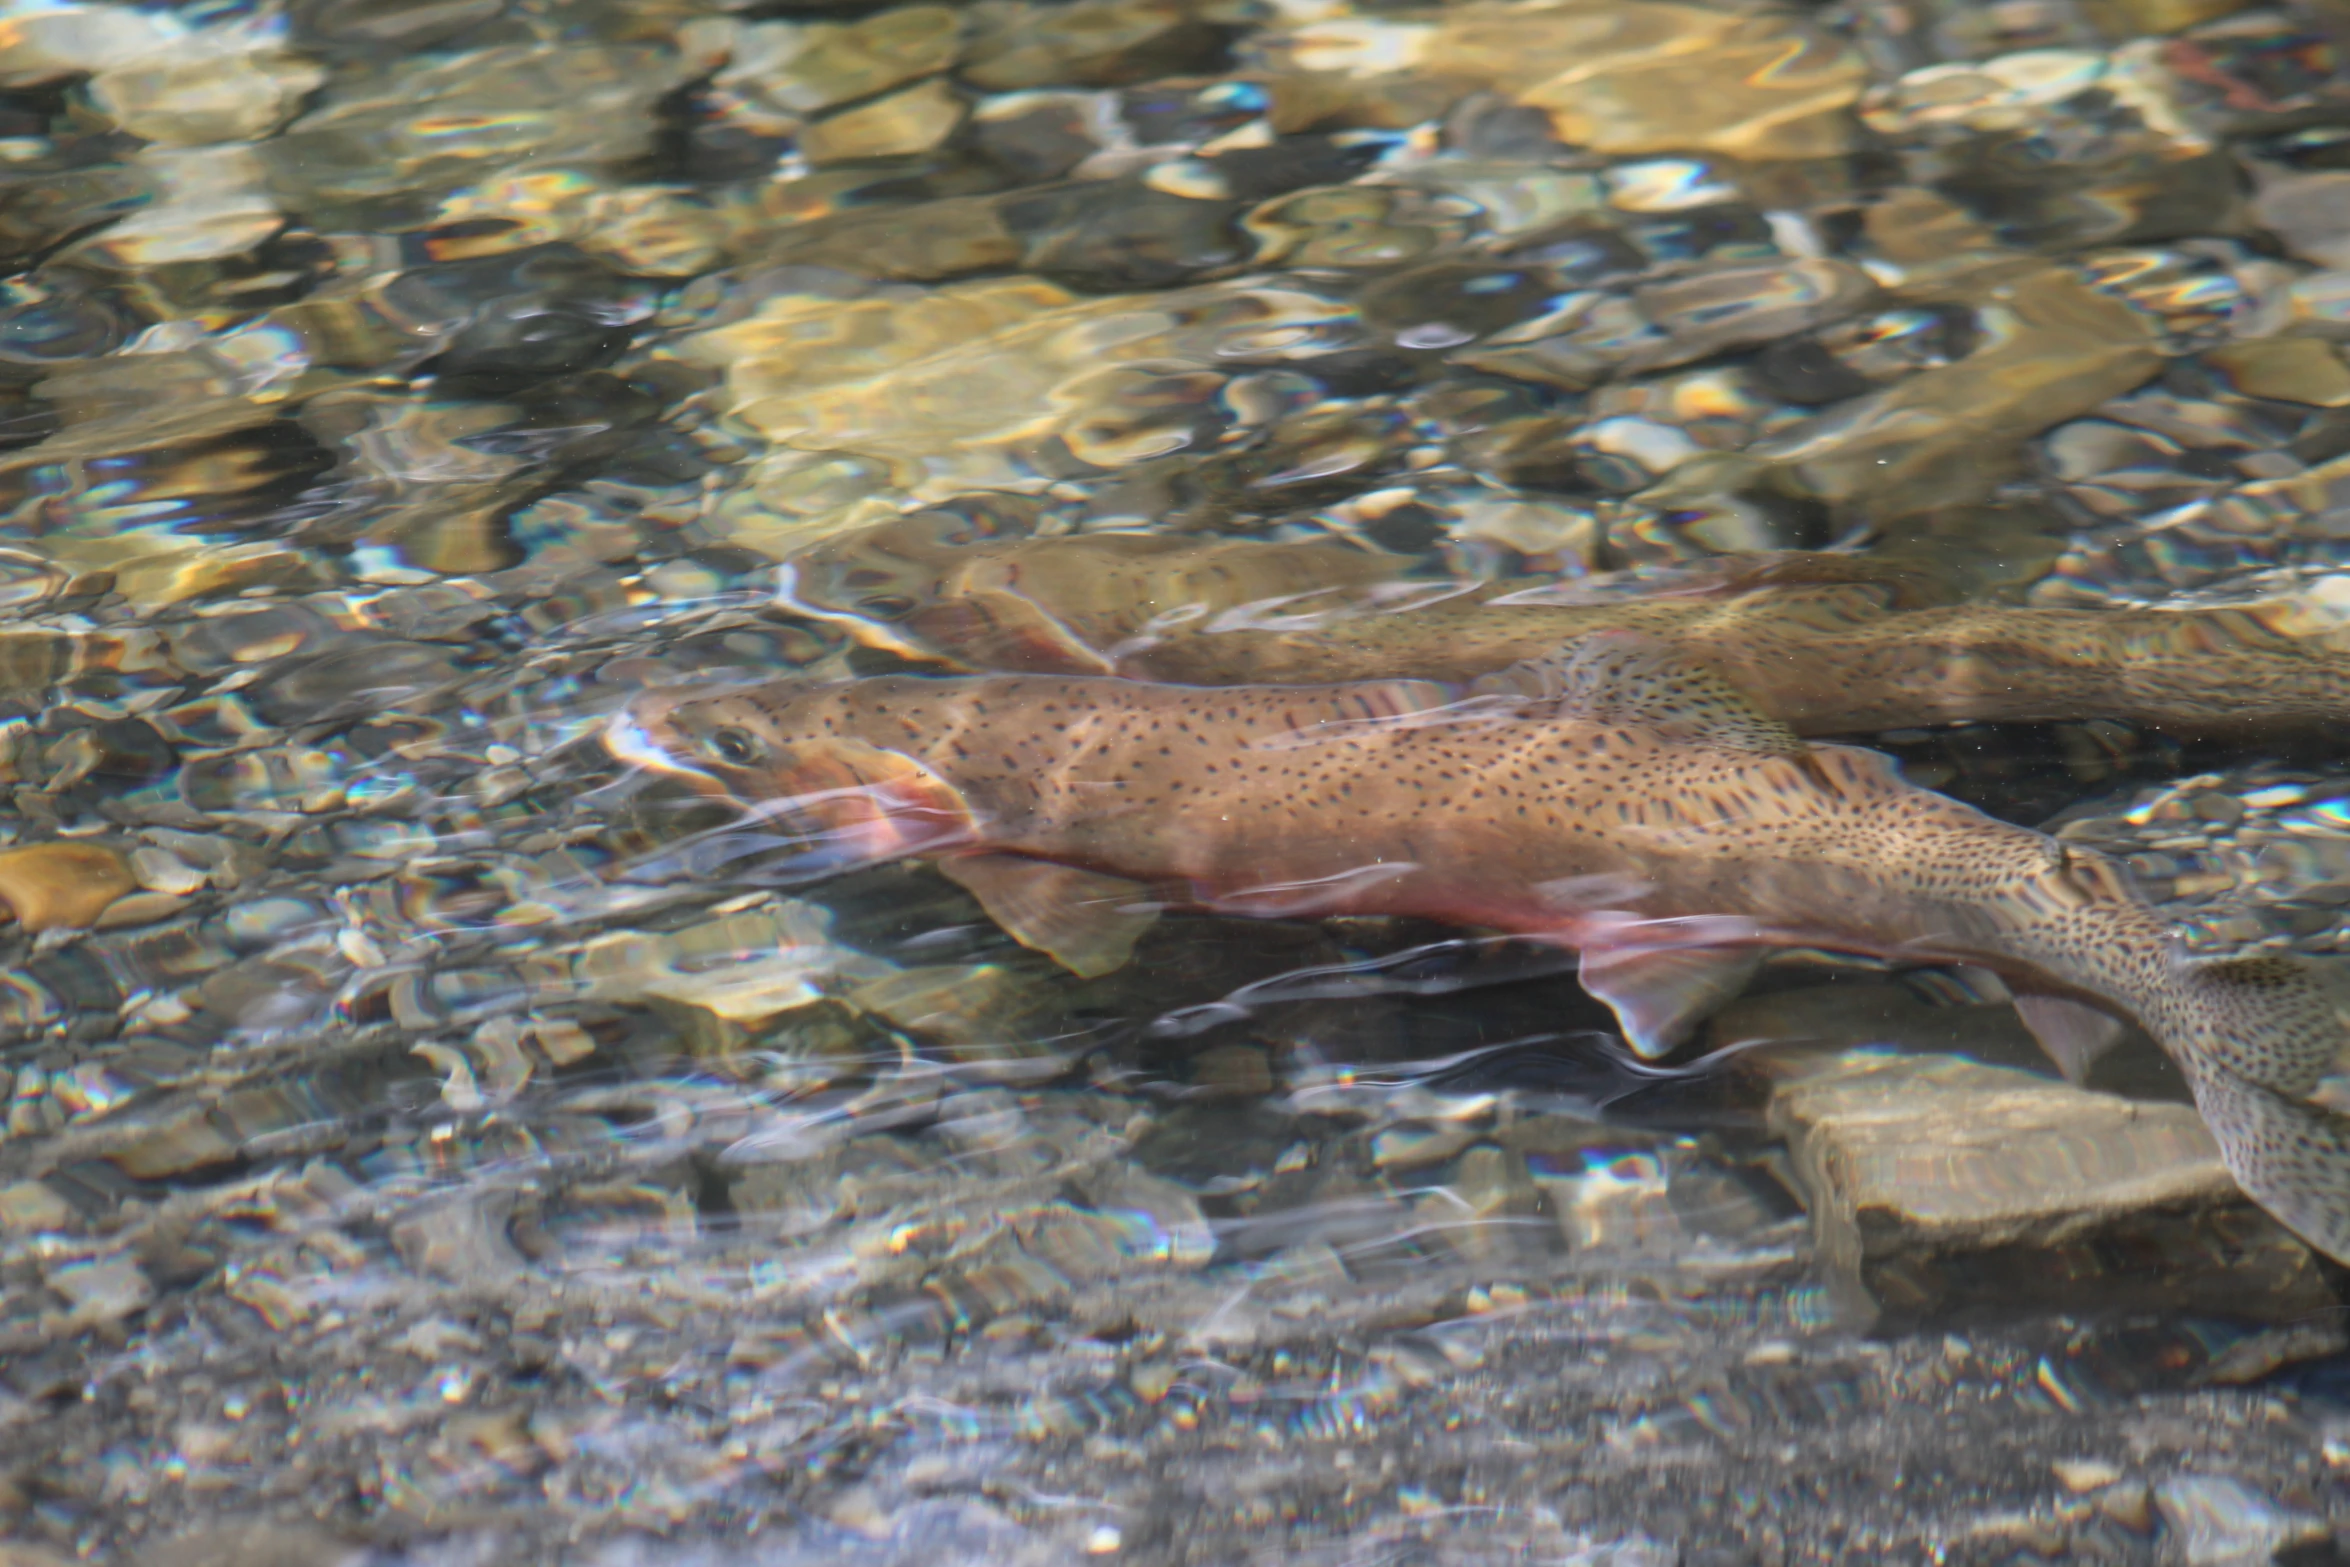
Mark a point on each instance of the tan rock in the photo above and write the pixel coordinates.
(807, 69)
(1937, 1184)
(2286, 369)
(56, 886)
(897, 126)
(1634, 77)
(187, 98)
(2054, 348)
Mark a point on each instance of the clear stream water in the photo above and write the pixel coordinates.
(432, 1138)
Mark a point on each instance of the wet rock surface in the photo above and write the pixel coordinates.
(424, 1140)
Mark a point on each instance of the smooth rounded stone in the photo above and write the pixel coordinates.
(255, 1544)
(426, 123)
(210, 203)
(59, 42)
(974, 1012)
(1719, 411)
(1709, 312)
(1315, 457)
(45, 324)
(1355, 226)
(369, 26)
(2219, 1521)
(1938, 1185)
(63, 885)
(1374, 99)
(900, 125)
(253, 634)
(2309, 212)
(112, 755)
(216, 86)
(1626, 79)
(1042, 135)
(1449, 303)
(2052, 349)
(1124, 234)
(645, 230)
(2034, 143)
(100, 1289)
(1090, 43)
(1510, 200)
(925, 242)
(1497, 538)
(1586, 336)
(801, 69)
(527, 314)
(30, 1206)
(2255, 72)
(2284, 369)
(981, 385)
(354, 680)
(1628, 454)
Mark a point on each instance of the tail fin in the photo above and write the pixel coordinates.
(2291, 1156)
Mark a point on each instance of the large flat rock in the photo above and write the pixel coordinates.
(1940, 1186)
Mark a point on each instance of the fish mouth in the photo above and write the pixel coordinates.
(629, 739)
(840, 802)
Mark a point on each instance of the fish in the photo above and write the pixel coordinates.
(1827, 643)
(1616, 800)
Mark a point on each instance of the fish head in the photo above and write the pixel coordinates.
(882, 574)
(781, 753)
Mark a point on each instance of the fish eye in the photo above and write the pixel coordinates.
(735, 747)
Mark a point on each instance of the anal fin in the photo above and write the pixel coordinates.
(1084, 921)
(2073, 1033)
(1660, 993)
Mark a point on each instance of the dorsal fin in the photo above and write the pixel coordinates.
(1855, 772)
(1620, 677)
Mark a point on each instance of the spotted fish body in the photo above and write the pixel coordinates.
(1827, 644)
(1617, 802)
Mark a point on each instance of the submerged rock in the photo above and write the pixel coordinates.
(1940, 1187)
(2051, 348)
(49, 886)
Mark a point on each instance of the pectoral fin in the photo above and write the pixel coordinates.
(1659, 993)
(1084, 921)
(2073, 1034)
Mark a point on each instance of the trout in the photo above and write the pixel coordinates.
(1614, 800)
(1826, 643)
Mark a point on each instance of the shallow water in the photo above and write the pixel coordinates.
(434, 1137)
